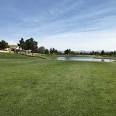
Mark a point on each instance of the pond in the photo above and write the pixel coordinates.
(84, 58)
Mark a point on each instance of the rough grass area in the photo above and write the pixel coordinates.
(41, 87)
(12, 56)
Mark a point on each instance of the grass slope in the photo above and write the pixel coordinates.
(34, 87)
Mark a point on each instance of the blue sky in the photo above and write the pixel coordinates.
(75, 24)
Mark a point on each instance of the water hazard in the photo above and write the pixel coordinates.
(84, 59)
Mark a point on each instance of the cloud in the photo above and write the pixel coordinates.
(82, 41)
(52, 19)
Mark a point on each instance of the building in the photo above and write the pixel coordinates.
(11, 49)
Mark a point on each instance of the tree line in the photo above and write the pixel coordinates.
(32, 45)
(3, 45)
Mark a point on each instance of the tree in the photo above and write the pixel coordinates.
(102, 52)
(3, 45)
(31, 44)
(46, 51)
(68, 51)
(41, 50)
(21, 44)
(53, 51)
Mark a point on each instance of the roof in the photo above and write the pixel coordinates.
(13, 46)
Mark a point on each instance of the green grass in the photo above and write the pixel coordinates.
(13, 56)
(40, 87)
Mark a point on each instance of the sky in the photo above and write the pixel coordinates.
(62, 24)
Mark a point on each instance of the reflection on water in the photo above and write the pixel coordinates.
(89, 59)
